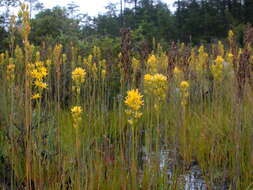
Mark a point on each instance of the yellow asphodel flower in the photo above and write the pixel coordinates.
(230, 58)
(103, 72)
(133, 102)
(230, 36)
(184, 85)
(36, 96)
(152, 63)
(201, 60)
(148, 77)
(10, 72)
(219, 60)
(152, 59)
(177, 70)
(135, 64)
(76, 112)
(78, 75)
(2, 58)
(156, 85)
(221, 48)
(217, 68)
(38, 73)
(134, 99)
(184, 88)
(40, 84)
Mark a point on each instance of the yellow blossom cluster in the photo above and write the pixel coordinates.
(156, 86)
(48, 63)
(78, 77)
(202, 60)
(76, 112)
(103, 74)
(38, 73)
(157, 62)
(10, 71)
(184, 89)
(135, 65)
(152, 64)
(36, 96)
(95, 67)
(2, 58)
(217, 68)
(102, 68)
(230, 36)
(221, 50)
(230, 58)
(134, 102)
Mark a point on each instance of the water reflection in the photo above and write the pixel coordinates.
(191, 180)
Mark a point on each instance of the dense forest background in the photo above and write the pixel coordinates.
(193, 21)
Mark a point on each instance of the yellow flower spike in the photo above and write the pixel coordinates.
(36, 96)
(10, 71)
(64, 58)
(128, 112)
(184, 85)
(202, 59)
(221, 48)
(230, 58)
(177, 70)
(40, 84)
(156, 86)
(76, 112)
(103, 72)
(152, 63)
(184, 88)
(148, 77)
(38, 72)
(94, 70)
(2, 58)
(135, 64)
(38, 64)
(130, 121)
(217, 68)
(201, 49)
(230, 36)
(219, 60)
(90, 58)
(133, 102)
(85, 62)
(78, 75)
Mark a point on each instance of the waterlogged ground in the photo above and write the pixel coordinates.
(192, 179)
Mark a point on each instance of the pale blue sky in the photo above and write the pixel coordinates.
(92, 7)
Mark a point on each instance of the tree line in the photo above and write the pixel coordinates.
(193, 21)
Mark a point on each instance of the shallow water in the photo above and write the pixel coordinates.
(194, 180)
(191, 180)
